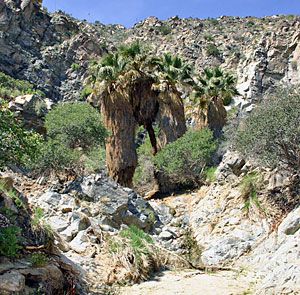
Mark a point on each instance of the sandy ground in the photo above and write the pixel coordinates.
(193, 283)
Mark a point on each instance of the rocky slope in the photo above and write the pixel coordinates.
(211, 229)
(52, 50)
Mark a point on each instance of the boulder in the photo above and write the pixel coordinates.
(11, 282)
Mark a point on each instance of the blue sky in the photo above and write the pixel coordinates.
(129, 12)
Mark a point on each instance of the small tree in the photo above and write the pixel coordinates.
(184, 160)
(271, 133)
(72, 129)
(76, 125)
(16, 144)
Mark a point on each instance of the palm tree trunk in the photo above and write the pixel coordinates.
(170, 117)
(121, 156)
(213, 116)
(152, 137)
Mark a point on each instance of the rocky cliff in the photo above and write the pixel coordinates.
(52, 50)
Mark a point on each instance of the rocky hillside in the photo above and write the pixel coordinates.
(52, 50)
(78, 235)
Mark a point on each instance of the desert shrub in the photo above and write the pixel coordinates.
(37, 216)
(86, 91)
(16, 144)
(75, 66)
(210, 174)
(249, 186)
(9, 241)
(73, 130)
(14, 87)
(39, 259)
(271, 133)
(54, 155)
(212, 50)
(40, 108)
(251, 23)
(208, 37)
(164, 30)
(76, 125)
(144, 172)
(95, 158)
(214, 22)
(135, 252)
(184, 160)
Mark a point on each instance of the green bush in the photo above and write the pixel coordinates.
(96, 158)
(212, 50)
(73, 129)
(86, 91)
(40, 108)
(39, 259)
(185, 159)
(75, 66)
(135, 250)
(208, 37)
(54, 155)
(76, 125)
(249, 186)
(144, 172)
(16, 144)
(210, 174)
(9, 241)
(164, 30)
(271, 133)
(14, 87)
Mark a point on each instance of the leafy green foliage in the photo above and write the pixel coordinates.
(271, 133)
(9, 241)
(76, 125)
(37, 216)
(96, 158)
(75, 66)
(40, 108)
(16, 144)
(14, 87)
(144, 172)
(86, 91)
(210, 173)
(184, 159)
(73, 129)
(164, 30)
(54, 155)
(138, 241)
(39, 259)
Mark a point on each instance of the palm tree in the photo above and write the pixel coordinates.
(108, 77)
(137, 89)
(171, 73)
(211, 92)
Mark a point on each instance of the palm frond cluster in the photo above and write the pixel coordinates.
(133, 62)
(213, 84)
